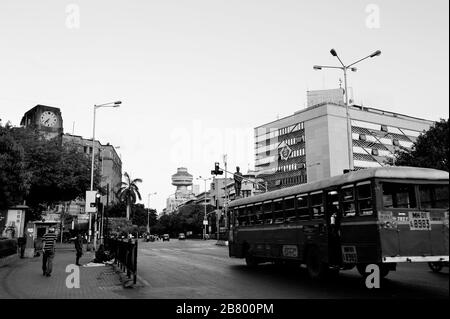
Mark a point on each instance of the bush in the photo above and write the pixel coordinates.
(8, 247)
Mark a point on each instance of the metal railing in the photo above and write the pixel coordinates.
(125, 255)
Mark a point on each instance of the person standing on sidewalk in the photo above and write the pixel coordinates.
(48, 249)
(78, 240)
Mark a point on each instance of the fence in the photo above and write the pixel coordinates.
(125, 254)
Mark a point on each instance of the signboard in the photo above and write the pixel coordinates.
(419, 221)
(290, 251)
(90, 202)
(349, 254)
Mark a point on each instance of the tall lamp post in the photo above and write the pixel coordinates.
(148, 212)
(110, 104)
(344, 68)
(205, 220)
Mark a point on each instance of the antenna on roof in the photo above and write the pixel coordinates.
(73, 128)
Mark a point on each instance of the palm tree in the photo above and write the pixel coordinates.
(129, 192)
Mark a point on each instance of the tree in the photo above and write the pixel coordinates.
(116, 210)
(129, 192)
(43, 172)
(57, 173)
(13, 179)
(431, 149)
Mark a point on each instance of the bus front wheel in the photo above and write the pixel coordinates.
(316, 268)
(251, 261)
(435, 266)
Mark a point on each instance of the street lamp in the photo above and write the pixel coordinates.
(353, 69)
(148, 213)
(110, 104)
(204, 217)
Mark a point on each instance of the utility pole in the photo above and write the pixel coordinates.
(225, 164)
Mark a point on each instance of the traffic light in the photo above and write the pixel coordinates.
(97, 200)
(217, 170)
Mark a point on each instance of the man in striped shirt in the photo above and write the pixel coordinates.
(48, 248)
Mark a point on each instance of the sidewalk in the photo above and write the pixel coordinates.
(24, 279)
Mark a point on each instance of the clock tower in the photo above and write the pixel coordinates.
(46, 119)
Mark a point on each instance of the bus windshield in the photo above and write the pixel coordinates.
(433, 196)
(401, 195)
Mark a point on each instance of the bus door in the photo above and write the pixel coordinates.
(333, 221)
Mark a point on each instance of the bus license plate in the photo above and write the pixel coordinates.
(349, 255)
(290, 251)
(419, 221)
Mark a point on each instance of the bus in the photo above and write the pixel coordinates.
(381, 216)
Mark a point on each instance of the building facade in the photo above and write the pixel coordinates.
(106, 158)
(312, 144)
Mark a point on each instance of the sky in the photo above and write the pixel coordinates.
(195, 77)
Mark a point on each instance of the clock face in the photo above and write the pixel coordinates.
(49, 119)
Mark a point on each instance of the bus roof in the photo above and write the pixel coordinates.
(351, 177)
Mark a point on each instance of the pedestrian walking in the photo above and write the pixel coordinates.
(48, 249)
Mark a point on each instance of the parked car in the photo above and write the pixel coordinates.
(166, 237)
(181, 236)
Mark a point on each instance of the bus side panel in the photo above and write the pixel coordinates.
(439, 233)
(363, 236)
(252, 239)
(439, 240)
(390, 244)
(284, 237)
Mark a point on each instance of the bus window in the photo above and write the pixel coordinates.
(397, 195)
(364, 193)
(348, 201)
(267, 212)
(278, 211)
(433, 196)
(289, 209)
(302, 207)
(317, 205)
(242, 218)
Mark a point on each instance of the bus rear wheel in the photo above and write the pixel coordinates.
(316, 268)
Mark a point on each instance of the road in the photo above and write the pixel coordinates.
(201, 269)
